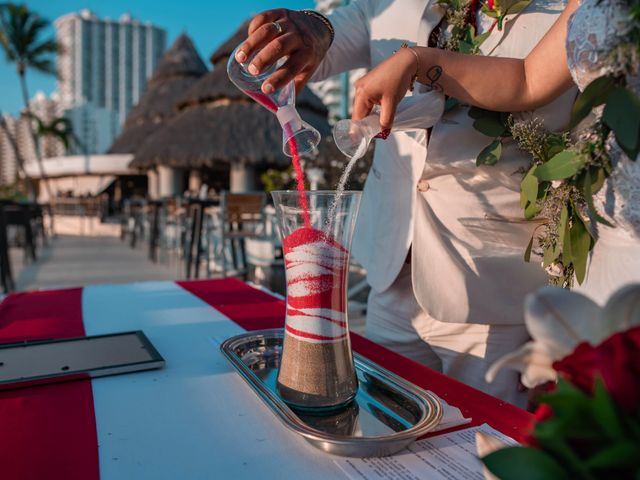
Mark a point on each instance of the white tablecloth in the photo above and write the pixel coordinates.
(196, 418)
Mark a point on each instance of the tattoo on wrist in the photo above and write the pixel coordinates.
(433, 75)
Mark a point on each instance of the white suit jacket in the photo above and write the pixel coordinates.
(466, 229)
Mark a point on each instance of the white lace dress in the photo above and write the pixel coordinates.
(615, 261)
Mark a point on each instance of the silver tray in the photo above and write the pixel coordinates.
(387, 414)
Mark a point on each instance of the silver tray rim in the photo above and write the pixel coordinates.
(430, 405)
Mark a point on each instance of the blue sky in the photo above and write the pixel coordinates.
(208, 23)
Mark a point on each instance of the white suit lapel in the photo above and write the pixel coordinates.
(493, 41)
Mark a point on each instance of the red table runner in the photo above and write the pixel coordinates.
(254, 309)
(42, 428)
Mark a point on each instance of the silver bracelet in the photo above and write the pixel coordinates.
(324, 20)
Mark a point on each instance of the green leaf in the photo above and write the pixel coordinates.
(489, 13)
(620, 455)
(527, 252)
(605, 412)
(529, 188)
(593, 95)
(563, 165)
(490, 154)
(555, 144)
(517, 7)
(466, 47)
(548, 257)
(531, 210)
(580, 240)
(477, 112)
(523, 463)
(451, 103)
(598, 181)
(622, 115)
(586, 185)
(479, 39)
(565, 237)
(489, 126)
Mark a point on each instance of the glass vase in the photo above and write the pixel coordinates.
(317, 370)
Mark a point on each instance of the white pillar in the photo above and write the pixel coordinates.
(152, 183)
(170, 181)
(243, 178)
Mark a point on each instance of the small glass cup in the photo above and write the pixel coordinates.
(317, 370)
(298, 137)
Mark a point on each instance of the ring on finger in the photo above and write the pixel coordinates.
(278, 27)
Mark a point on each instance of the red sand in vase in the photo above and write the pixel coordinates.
(317, 369)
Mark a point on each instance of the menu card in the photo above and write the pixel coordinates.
(444, 457)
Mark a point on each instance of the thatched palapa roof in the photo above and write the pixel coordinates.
(218, 123)
(179, 68)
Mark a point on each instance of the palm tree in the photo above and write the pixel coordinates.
(21, 32)
(59, 128)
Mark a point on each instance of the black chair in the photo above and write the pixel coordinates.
(6, 277)
(193, 245)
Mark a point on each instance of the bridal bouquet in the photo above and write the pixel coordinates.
(588, 425)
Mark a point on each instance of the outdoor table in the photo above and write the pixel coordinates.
(195, 418)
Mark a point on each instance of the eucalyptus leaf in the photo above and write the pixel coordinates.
(598, 180)
(593, 95)
(490, 154)
(489, 126)
(531, 210)
(466, 47)
(479, 39)
(451, 103)
(555, 144)
(527, 252)
(488, 12)
(523, 463)
(550, 255)
(586, 185)
(518, 7)
(477, 112)
(622, 115)
(563, 165)
(580, 240)
(529, 188)
(565, 236)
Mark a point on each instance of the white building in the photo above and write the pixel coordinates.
(332, 91)
(8, 157)
(106, 62)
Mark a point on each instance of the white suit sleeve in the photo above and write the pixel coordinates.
(350, 47)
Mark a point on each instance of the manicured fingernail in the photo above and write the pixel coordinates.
(253, 70)
(267, 88)
(383, 134)
(241, 56)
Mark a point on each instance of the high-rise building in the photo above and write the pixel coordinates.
(8, 146)
(336, 92)
(105, 62)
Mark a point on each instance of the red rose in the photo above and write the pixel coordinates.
(490, 4)
(542, 413)
(616, 361)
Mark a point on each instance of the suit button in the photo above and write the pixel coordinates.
(423, 185)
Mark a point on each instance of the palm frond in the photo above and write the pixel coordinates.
(20, 37)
